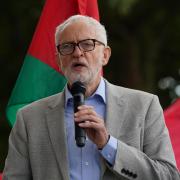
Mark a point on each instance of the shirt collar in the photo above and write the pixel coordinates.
(100, 91)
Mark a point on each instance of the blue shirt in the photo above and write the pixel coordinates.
(84, 163)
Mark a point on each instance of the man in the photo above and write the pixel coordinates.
(126, 134)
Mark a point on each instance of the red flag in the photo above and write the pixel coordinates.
(172, 117)
(40, 76)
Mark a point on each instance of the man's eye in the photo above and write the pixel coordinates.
(64, 46)
(87, 44)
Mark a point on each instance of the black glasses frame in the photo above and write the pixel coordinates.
(77, 44)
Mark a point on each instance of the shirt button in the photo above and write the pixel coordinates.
(86, 163)
(108, 155)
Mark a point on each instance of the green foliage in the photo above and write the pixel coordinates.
(122, 6)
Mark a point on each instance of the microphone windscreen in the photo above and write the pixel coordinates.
(78, 87)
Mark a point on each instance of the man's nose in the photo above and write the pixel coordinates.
(77, 51)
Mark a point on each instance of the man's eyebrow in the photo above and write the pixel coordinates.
(66, 42)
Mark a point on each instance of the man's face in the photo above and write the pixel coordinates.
(82, 66)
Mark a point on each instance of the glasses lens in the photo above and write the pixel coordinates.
(87, 45)
(66, 49)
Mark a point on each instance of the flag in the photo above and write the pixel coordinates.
(172, 118)
(40, 76)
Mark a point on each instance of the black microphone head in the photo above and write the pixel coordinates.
(78, 87)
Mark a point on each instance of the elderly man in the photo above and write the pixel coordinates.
(126, 134)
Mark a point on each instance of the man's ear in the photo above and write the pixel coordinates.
(107, 54)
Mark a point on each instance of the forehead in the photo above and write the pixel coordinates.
(77, 30)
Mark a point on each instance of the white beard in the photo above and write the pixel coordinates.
(85, 77)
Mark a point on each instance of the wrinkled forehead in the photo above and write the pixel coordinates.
(77, 30)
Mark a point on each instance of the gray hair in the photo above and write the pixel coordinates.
(100, 29)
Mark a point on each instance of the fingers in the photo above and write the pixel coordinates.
(88, 118)
(86, 113)
(84, 109)
(88, 124)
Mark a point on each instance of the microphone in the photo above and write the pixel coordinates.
(78, 91)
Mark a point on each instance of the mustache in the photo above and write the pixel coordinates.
(78, 63)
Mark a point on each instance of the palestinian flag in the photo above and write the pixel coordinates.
(40, 76)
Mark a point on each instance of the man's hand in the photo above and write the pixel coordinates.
(93, 125)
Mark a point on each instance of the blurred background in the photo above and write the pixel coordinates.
(144, 36)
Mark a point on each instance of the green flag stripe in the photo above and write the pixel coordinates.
(36, 80)
(11, 112)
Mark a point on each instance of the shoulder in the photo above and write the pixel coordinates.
(43, 104)
(131, 96)
(34, 114)
(123, 91)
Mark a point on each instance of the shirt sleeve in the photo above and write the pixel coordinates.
(109, 150)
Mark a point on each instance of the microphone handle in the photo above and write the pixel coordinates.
(80, 135)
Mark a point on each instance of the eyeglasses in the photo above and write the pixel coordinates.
(84, 45)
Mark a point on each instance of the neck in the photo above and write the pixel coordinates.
(92, 86)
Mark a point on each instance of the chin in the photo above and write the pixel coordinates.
(78, 77)
(84, 77)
